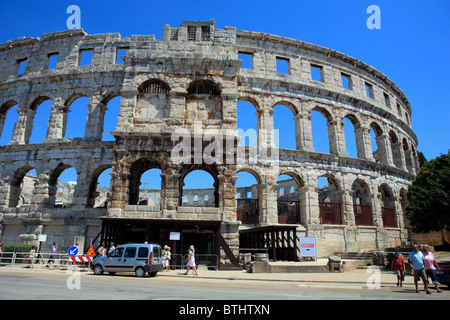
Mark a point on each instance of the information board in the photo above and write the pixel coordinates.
(308, 248)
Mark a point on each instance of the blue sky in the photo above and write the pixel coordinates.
(412, 47)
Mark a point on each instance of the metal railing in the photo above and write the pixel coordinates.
(39, 259)
(211, 261)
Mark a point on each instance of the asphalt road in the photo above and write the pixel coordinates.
(62, 285)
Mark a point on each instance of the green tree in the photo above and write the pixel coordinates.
(429, 196)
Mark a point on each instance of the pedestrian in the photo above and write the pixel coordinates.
(111, 247)
(101, 250)
(51, 257)
(416, 260)
(164, 257)
(168, 257)
(31, 257)
(430, 267)
(399, 264)
(190, 261)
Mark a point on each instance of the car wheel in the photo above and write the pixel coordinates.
(140, 272)
(98, 269)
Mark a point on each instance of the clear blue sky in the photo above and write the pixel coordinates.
(412, 47)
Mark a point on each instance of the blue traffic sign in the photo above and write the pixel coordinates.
(73, 251)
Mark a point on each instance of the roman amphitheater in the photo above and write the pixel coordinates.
(193, 81)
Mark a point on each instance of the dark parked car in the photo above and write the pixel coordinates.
(443, 274)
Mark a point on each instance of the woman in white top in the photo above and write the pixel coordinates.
(191, 261)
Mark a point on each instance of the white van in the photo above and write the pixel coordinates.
(138, 258)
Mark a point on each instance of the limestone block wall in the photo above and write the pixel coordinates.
(192, 80)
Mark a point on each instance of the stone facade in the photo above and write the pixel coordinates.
(193, 80)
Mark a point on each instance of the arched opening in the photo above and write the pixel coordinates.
(408, 156)
(395, 149)
(62, 185)
(375, 133)
(199, 189)
(153, 101)
(8, 117)
(110, 118)
(41, 119)
(204, 101)
(329, 200)
(288, 201)
(247, 198)
(247, 124)
(362, 203)
(150, 188)
(319, 126)
(351, 124)
(387, 206)
(77, 111)
(145, 175)
(99, 189)
(283, 122)
(22, 186)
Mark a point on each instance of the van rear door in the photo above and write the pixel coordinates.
(157, 255)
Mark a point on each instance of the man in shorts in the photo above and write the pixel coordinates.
(416, 260)
(399, 264)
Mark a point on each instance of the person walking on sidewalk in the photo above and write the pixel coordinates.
(191, 261)
(399, 264)
(430, 267)
(416, 260)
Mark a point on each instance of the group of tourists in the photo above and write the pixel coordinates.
(423, 265)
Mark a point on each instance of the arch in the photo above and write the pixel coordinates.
(8, 118)
(76, 116)
(248, 196)
(154, 86)
(42, 106)
(285, 124)
(291, 106)
(387, 206)
(330, 211)
(288, 200)
(137, 169)
(252, 100)
(62, 183)
(247, 122)
(204, 87)
(362, 203)
(21, 189)
(94, 184)
(203, 183)
(111, 117)
(352, 140)
(150, 187)
(320, 129)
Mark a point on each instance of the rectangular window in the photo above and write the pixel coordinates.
(292, 189)
(369, 90)
(85, 58)
(206, 197)
(346, 81)
(52, 60)
(143, 252)
(192, 30)
(238, 195)
(249, 195)
(185, 199)
(281, 192)
(206, 33)
(247, 60)
(121, 52)
(282, 65)
(22, 65)
(387, 102)
(399, 109)
(195, 197)
(316, 73)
